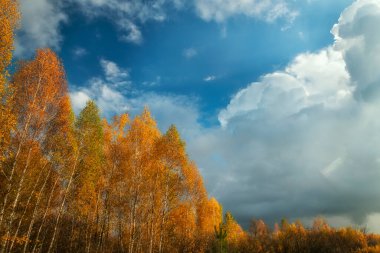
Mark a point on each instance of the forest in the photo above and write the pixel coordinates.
(82, 183)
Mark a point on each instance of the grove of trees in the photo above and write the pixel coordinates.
(295, 238)
(81, 183)
(84, 184)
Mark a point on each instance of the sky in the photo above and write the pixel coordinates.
(277, 100)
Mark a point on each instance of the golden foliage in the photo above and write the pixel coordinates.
(9, 20)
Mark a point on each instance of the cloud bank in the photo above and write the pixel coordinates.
(305, 141)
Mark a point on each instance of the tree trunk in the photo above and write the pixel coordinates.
(63, 203)
(35, 214)
(15, 202)
(22, 140)
(26, 208)
(44, 216)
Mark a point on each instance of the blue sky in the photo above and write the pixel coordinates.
(249, 48)
(277, 100)
(224, 55)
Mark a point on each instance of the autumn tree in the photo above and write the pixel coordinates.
(85, 201)
(141, 140)
(209, 215)
(259, 238)
(40, 91)
(173, 157)
(62, 150)
(115, 177)
(9, 21)
(181, 232)
(235, 234)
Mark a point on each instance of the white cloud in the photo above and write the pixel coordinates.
(40, 24)
(357, 37)
(79, 100)
(310, 80)
(105, 91)
(115, 75)
(133, 33)
(209, 78)
(221, 10)
(109, 100)
(112, 70)
(189, 53)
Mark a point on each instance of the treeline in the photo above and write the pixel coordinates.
(83, 184)
(294, 238)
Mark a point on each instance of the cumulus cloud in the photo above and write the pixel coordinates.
(40, 24)
(357, 37)
(304, 141)
(312, 79)
(221, 10)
